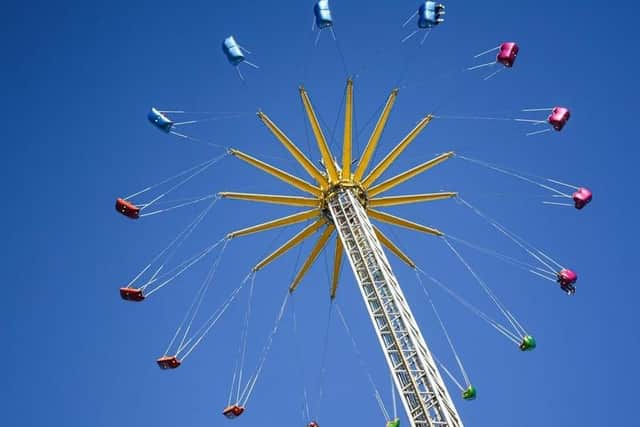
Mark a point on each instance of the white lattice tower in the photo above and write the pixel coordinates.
(421, 388)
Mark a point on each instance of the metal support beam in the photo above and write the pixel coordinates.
(272, 198)
(337, 267)
(401, 222)
(393, 248)
(320, 244)
(407, 175)
(348, 132)
(409, 199)
(278, 173)
(416, 376)
(320, 139)
(395, 152)
(367, 155)
(295, 151)
(293, 242)
(280, 222)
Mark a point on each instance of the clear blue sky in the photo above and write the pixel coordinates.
(78, 79)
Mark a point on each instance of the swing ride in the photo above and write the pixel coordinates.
(342, 199)
(235, 54)
(507, 53)
(430, 14)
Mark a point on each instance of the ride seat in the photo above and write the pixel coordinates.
(507, 54)
(168, 362)
(131, 294)
(233, 411)
(127, 208)
(559, 117)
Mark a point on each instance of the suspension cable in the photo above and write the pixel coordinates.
(188, 262)
(235, 383)
(306, 413)
(325, 124)
(212, 113)
(171, 178)
(187, 179)
(200, 141)
(187, 233)
(248, 390)
(199, 335)
(486, 288)
(132, 282)
(491, 322)
(210, 324)
(448, 372)
(211, 119)
(522, 244)
(195, 304)
(506, 258)
(444, 330)
(527, 247)
(181, 268)
(376, 393)
(323, 360)
(530, 268)
(181, 205)
(203, 291)
(513, 174)
(197, 299)
(245, 335)
(372, 117)
(340, 52)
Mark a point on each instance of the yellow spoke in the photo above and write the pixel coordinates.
(391, 219)
(393, 248)
(322, 241)
(395, 152)
(295, 151)
(405, 176)
(280, 222)
(337, 264)
(414, 198)
(375, 137)
(321, 140)
(348, 132)
(271, 198)
(278, 173)
(293, 242)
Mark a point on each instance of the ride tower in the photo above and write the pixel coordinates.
(344, 201)
(423, 393)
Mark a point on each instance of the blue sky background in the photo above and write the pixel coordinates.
(78, 79)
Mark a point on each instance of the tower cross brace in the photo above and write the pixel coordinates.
(416, 377)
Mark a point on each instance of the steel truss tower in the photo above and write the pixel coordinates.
(424, 395)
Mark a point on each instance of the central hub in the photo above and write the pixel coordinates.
(357, 190)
